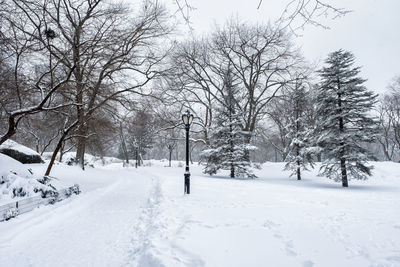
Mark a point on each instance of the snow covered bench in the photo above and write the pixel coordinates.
(13, 209)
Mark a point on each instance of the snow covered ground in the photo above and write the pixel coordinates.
(140, 217)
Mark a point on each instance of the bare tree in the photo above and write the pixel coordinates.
(32, 85)
(261, 58)
(299, 13)
(41, 129)
(281, 113)
(389, 113)
(15, 116)
(295, 15)
(109, 49)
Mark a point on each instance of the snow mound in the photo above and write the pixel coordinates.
(18, 181)
(20, 153)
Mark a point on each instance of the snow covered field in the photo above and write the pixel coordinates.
(140, 217)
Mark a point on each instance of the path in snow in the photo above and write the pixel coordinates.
(93, 229)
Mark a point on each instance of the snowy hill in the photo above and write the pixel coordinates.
(140, 217)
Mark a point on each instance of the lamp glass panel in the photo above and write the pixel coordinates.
(185, 118)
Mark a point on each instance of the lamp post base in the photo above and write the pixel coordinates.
(187, 183)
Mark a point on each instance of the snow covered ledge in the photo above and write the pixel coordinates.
(20, 153)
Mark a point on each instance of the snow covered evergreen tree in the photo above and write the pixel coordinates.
(299, 132)
(345, 123)
(228, 149)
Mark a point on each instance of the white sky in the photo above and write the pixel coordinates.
(371, 31)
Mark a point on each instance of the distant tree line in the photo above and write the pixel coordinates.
(108, 79)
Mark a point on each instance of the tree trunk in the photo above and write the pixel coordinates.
(140, 160)
(59, 146)
(80, 152)
(54, 155)
(137, 158)
(284, 155)
(81, 144)
(342, 158)
(298, 173)
(231, 141)
(298, 162)
(206, 139)
(344, 172)
(12, 125)
(123, 144)
(247, 140)
(385, 146)
(62, 151)
(80, 111)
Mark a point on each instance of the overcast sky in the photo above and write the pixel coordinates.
(371, 31)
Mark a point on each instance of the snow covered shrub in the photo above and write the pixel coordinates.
(17, 181)
(15, 185)
(70, 161)
(49, 190)
(19, 192)
(73, 190)
(10, 213)
(90, 160)
(44, 180)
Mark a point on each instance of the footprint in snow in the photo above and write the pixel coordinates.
(395, 259)
(270, 224)
(308, 263)
(289, 248)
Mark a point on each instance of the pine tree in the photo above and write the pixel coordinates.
(228, 150)
(345, 124)
(299, 156)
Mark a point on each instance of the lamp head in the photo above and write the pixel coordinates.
(187, 118)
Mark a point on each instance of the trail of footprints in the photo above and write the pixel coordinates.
(288, 244)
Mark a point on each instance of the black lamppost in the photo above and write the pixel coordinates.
(187, 119)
